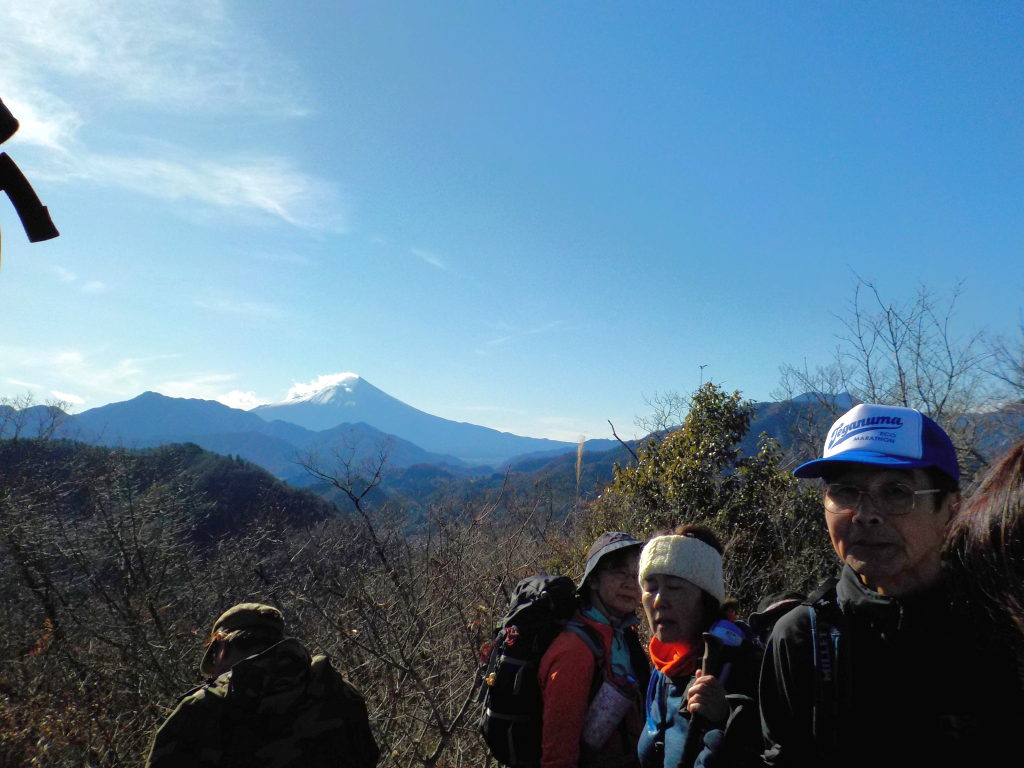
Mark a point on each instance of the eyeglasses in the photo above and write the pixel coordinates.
(890, 500)
(624, 574)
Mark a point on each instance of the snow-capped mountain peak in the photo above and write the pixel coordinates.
(346, 397)
(322, 389)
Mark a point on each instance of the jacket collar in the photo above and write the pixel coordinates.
(857, 600)
(282, 667)
(594, 616)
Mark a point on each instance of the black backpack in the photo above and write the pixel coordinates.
(827, 630)
(540, 608)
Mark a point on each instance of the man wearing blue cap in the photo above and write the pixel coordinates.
(876, 668)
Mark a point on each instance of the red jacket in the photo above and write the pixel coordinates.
(565, 675)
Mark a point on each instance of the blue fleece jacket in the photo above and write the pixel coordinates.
(667, 724)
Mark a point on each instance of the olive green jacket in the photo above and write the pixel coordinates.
(279, 708)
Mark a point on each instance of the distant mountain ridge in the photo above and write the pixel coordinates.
(153, 415)
(354, 399)
(152, 419)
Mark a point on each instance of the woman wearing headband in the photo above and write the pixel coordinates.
(683, 592)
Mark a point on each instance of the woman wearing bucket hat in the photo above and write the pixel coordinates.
(592, 675)
(683, 592)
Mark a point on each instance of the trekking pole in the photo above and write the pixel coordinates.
(33, 214)
(712, 665)
(8, 123)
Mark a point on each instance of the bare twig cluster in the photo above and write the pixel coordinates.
(107, 596)
(907, 354)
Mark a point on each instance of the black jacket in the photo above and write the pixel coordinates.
(910, 687)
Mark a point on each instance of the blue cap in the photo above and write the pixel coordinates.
(885, 436)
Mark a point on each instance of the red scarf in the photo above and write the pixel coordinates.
(673, 659)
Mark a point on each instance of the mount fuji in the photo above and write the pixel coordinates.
(353, 399)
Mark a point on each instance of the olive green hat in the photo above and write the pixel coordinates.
(255, 618)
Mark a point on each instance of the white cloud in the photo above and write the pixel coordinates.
(484, 409)
(45, 121)
(265, 184)
(238, 399)
(67, 398)
(101, 381)
(174, 55)
(26, 384)
(205, 386)
(321, 382)
(570, 429)
(428, 257)
(558, 421)
(510, 333)
(229, 305)
(286, 258)
(118, 381)
(65, 275)
(557, 325)
(269, 186)
(89, 371)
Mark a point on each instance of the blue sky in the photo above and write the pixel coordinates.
(524, 215)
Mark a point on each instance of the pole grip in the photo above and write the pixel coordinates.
(33, 214)
(711, 665)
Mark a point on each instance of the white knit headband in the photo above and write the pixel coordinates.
(685, 557)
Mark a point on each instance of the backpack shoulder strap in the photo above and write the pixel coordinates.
(589, 637)
(826, 634)
(825, 591)
(595, 644)
(661, 692)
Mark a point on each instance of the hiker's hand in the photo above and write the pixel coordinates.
(706, 697)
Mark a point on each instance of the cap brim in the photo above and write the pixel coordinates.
(818, 467)
(605, 551)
